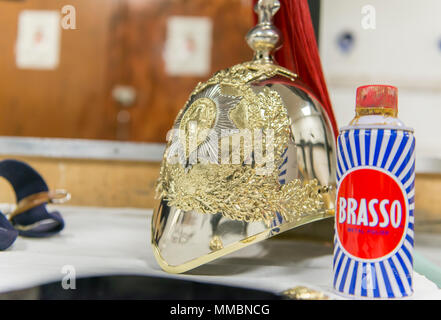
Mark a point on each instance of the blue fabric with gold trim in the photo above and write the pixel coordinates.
(34, 222)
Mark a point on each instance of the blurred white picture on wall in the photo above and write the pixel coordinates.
(38, 40)
(188, 46)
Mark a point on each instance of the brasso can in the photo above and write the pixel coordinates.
(374, 217)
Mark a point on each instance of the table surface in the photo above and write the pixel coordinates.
(109, 241)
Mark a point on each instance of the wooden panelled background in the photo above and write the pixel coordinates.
(71, 100)
(117, 42)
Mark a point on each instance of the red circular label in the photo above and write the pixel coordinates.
(371, 213)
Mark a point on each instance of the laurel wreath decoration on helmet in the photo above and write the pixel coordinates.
(221, 110)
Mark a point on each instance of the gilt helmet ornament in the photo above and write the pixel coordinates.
(250, 155)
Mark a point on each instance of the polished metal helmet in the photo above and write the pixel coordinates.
(250, 155)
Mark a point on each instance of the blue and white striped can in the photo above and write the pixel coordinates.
(374, 219)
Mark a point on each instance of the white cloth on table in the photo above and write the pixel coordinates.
(116, 241)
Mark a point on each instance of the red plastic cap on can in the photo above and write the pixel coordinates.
(377, 96)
